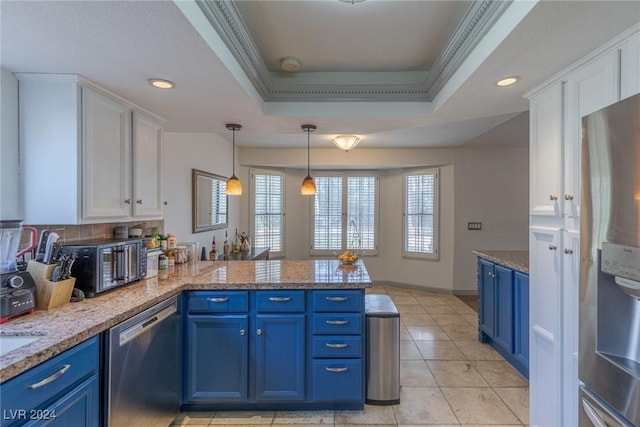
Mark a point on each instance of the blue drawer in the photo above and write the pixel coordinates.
(337, 324)
(280, 301)
(338, 300)
(218, 301)
(49, 380)
(337, 380)
(338, 346)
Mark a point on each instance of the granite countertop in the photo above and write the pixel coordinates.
(73, 323)
(517, 260)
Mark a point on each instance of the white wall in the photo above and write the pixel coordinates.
(182, 153)
(477, 184)
(492, 187)
(10, 199)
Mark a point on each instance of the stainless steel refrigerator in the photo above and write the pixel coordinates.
(609, 324)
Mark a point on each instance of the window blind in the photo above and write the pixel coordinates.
(218, 201)
(268, 205)
(327, 224)
(361, 212)
(420, 219)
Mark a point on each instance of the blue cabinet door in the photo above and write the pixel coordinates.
(503, 327)
(77, 408)
(280, 357)
(486, 302)
(217, 358)
(521, 324)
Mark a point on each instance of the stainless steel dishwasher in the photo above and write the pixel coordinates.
(142, 378)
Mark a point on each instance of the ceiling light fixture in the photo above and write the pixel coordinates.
(162, 84)
(234, 186)
(507, 81)
(346, 142)
(308, 187)
(290, 64)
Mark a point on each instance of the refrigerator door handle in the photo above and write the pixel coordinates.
(593, 415)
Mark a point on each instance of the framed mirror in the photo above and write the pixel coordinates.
(208, 201)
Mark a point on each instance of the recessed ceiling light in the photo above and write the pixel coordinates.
(507, 81)
(162, 84)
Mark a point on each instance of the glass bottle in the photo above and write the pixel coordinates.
(213, 253)
(225, 246)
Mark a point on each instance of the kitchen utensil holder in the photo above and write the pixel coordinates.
(50, 294)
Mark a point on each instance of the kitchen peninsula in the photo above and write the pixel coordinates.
(316, 301)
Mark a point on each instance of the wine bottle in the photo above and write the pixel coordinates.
(225, 246)
(213, 254)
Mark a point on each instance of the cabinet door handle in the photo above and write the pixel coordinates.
(568, 197)
(165, 203)
(552, 247)
(279, 299)
(224, 299)
(568, 251)
(343, 369)
(52, 378)
(553, 198)
(127, 201)
(337, 299)
(337, 322)
(336, 345)
(242, 332)
(259, 332)
(139, 201)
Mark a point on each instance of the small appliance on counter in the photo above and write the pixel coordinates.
(17, 288)
(104, 264)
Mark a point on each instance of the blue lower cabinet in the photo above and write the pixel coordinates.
(503, 324)
(217, 359)
(62, 391)
(269, 350)
(486, 300)
(503, 307)
(337, 380)
(280, 357)
(521, 324)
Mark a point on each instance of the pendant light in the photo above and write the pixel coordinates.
(234, 186)
(308, 187)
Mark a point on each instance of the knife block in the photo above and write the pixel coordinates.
(50, 294)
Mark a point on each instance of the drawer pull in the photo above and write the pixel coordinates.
(337, 322)
(52, 378)
(336, 345)
(279, 299)
(337, 299)
(224, 299)
(343, 369)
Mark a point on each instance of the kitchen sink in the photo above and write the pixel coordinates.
(10, 342)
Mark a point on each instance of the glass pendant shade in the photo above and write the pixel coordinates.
(346, 142)
(234, 186)
(308, 187)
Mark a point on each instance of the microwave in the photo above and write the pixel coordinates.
(102, 265)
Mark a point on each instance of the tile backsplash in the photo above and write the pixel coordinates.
(74, 233)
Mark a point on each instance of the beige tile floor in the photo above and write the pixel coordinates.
(448, 377)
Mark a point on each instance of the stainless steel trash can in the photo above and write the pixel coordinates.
(383, 350)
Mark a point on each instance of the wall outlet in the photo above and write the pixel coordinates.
(474, 226)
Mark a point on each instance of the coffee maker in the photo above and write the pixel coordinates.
(17, 288)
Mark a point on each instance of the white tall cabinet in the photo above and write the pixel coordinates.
(87, 155)
(556, 110)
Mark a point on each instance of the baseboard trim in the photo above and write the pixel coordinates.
(424, 288)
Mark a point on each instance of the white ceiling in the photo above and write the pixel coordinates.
(121, 44)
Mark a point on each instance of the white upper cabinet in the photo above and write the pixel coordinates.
(545, 128)
(589, 88)
(148, 158)
(630, 66)
(87, 155)
(106, 158)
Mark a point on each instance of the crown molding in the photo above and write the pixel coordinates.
(226, 20)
